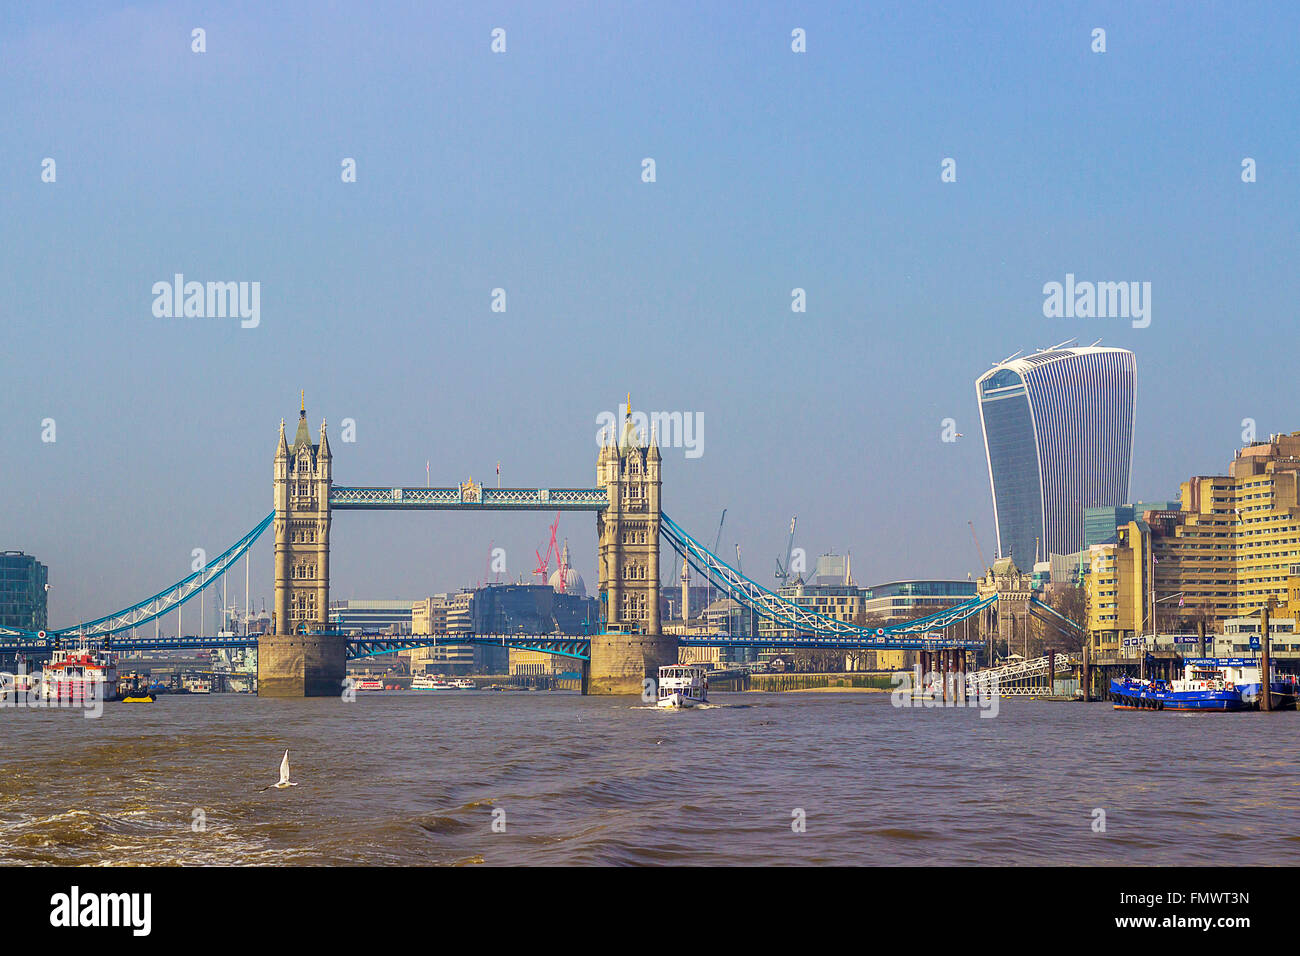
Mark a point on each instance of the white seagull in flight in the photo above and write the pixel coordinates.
(284, 775)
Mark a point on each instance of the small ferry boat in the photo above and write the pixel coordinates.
(368, 683)
(464, 683)
(197, 685)
(683, 686)
(429, 682)
(80, 673)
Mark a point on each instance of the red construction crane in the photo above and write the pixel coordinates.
(544, 563)
(562, 562)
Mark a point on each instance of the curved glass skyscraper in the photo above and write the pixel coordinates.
(1058, 433)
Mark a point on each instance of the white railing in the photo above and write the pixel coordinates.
(1006, 676)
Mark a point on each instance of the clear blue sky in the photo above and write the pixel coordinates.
(775, 170)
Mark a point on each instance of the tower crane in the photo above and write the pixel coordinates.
(543, 563)
(783, 570)
(717, 539)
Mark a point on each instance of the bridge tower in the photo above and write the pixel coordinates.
(294, 662)
(1014, 590)
(627, 531)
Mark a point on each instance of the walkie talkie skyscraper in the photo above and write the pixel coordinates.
(1058, 434)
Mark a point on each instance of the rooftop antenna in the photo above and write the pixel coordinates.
(1065, 343)
(1094, 344)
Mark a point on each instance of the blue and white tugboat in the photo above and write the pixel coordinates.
(1204, 686)
(1242, 675)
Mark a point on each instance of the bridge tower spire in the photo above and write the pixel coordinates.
(633, 647)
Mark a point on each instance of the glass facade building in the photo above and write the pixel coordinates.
(907, 600)
(1100, 524)
(22, 591)
(1058, 436)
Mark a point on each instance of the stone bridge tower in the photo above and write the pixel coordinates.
(627, 533)
(1014, 590)
(293, 662)
(302, 530)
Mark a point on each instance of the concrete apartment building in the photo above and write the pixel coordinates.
(1232, 546)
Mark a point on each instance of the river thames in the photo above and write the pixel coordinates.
(554, 778)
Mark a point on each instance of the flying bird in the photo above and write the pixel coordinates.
(284, 776)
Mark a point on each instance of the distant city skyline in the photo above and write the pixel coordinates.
(133, 438)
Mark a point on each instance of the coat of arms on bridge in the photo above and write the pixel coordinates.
(471, 492)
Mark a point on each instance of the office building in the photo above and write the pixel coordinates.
(1231, 547)
(899, 601)
(1058, 438)
(371, 617)
(1100, 524)
(23, 596)
(22, 592)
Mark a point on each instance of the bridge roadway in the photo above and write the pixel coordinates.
(467, 498)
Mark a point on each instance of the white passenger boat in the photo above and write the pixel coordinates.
(80, 673)
(368, 683)
(430, 682)
(683, 686)
(464, 683)
(197, 685)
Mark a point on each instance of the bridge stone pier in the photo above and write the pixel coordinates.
(299, 660)
(301, 665)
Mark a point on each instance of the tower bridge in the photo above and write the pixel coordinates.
(301, 658)
(304, 657)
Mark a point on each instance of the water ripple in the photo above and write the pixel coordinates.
(762, 779)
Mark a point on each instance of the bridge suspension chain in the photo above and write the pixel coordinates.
(166, 600)
(773, 606)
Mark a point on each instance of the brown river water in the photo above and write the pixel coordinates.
(411, 778)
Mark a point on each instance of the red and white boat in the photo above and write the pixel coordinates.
(368, 683)
(79, 674)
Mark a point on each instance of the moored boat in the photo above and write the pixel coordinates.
(21, 687)
(368, 683)
(79, 674)
(1203, 687)
(1242, 675)
(429, 682)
